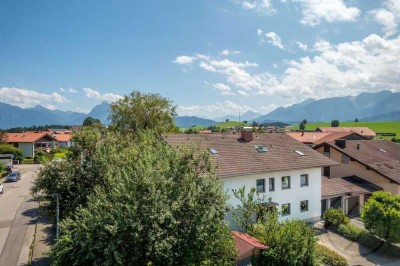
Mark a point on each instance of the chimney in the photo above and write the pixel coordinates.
(302, 133)
(246, 135)
(341, 143)
(358, 146)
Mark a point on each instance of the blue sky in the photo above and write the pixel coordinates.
(210, 57)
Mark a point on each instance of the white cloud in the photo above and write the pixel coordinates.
(62, 89)
(260, 6)
(71, 90)
(302, 46)
(274, 39)
(29, 98)
(346, 68)
(206, 66)
(259, 32)
(218, 109)
(223, 89)
(322, 46)
(243, 93)
(388, 16)
(228, 52)
(93, 94)
(269, 108)
(317, 11)
(184, 60)
(49, 106)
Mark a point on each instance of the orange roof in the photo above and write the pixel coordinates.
(245, 243)
(63, 137)
(308, 137)
(26, 137)
(363, 131)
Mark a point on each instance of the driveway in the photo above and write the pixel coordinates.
(17, 218)
(354, 253)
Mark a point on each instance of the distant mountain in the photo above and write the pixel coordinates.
(100, 112)
(392, 116)
(188, 121)
(380, 105)
(247, 116)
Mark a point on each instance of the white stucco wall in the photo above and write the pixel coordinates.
(294, 195)
(27, 149)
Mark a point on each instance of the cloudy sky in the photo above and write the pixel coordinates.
(210, 57)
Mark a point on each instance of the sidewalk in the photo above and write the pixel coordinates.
(44, 239)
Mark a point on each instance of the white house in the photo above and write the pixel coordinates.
(278, 166)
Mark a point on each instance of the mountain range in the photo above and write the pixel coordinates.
(380, 106)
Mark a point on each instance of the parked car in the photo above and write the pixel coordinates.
(13, 177)
(1, 188)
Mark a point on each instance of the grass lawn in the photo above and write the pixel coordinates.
(61, 155)
(384, 127)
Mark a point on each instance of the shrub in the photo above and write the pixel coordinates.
(335, 217)
(351, 232)
(381, 216)
(2, 166)
(329, 257)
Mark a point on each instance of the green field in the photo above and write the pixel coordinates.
(384, 127)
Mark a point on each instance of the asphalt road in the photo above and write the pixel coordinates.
(17, 218)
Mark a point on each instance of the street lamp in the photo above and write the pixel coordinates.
(58, 214)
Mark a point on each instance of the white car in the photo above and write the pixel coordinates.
(1, 188)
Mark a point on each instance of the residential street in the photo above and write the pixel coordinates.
(17, 218)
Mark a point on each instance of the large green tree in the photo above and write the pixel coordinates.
(381, 216)
(162, 207)
(141, 111)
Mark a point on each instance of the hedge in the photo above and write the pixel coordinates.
(329, 257)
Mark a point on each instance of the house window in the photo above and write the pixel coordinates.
(260, 185)
(286, 209)
(327, 171)
(304, 180)
(285, 182)
(272, 184)
(345, 159)
(327, 148)
(304, 205)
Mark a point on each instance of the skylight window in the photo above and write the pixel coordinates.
(261, 148)
(382, 150)
(213, 151)
(300, 153)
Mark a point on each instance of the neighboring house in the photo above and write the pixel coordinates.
(63, 140)
(247, 247)
(375, 161)
(76, 128)
(365, 132)
(278, 166)
(312, 139)
(348, 193)
(7, 159)
(30, 142)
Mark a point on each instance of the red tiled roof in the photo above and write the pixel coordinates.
(382, 156)
(308, 137)
(26, 137)
(245, 243)
(63, 137)
(235, 157)
(353, 185)
(363, 131)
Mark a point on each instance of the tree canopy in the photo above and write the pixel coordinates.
(141, 111)
(160, 207)
(381, 216)
(334, 123)
(90, 121)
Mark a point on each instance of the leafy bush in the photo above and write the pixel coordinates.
(351, 232)
(2, 166)
(329, 257)
(28, 161)
(334, 217)
(381, 216)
